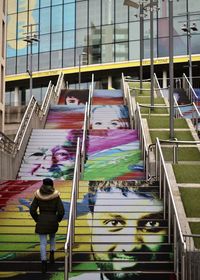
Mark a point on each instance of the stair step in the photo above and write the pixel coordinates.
(30, 266)
(148, 267)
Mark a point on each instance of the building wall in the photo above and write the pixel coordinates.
(2, 60)
(106, 30)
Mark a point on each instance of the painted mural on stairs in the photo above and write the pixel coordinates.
(51, 160)
(109, 117)
(69, 113)
(119, 227)
(113, 155)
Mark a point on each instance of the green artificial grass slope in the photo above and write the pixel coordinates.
(154, 111)
(190, 198)
(163, 122)
(146, 100)
(183, 154)
(189, 173)
(165, 135)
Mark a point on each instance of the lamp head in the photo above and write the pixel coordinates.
(184, 28)
(193, 27)
(130, 3)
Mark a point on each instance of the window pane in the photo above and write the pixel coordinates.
(69, 41)
(56, 41)
(56, 18)
(81, 14)
(69, 16)
(121, 32)
(94, 36)
(134, 50)
(44, 61)
(107, 53)
(10, 66)
(45, 43)
(11, 27)
(12, 6)
(22, 5)
(180, 45)
(21, 64)
(121, 51)
(35, 62)
(11, 48)
(94, 13)
(44, 20)
(193, 5)
(81, 37)
(56, 59)
(107, 11)
(68, 58)
(22, 20)
(121, 12)
(56, 2)
(44, 3)
(107, 34)
(134, 31)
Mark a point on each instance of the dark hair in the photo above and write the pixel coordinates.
(81, 95)
(48, 181)
(140, 188)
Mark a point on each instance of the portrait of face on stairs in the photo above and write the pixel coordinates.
(128, 232)
(73, 97)
(109, 117)
(51, 157)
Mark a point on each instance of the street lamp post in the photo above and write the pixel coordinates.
(143, 7)
(30, 37)
(188, 29)
(79, 68)
(171, 70)
(140, 5)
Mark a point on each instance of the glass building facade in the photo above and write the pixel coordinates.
(106, 30)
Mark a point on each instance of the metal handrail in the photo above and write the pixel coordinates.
(59, 84)
(33, 107)
(124, 89)
(177, 143)
(127, 100)
(178, 113)
(91, 92)
(85, 126)
(72, 214)
(171, 203)
(189, 89)
(141, 131)
(158, 85)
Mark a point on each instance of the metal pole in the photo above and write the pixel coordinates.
(30, 70)
(141, 41)
(189, 48)
(151, 54)
(79, 72)
(171, 70)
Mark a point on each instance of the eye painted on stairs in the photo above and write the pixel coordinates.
(115, 224)
(150, 224)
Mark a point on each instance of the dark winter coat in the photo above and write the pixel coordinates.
(51, 212)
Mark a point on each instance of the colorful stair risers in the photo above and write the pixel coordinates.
(65, 117)
(109, 117)
(126, 236)
(107, 97)
(50, 153)
(113, 155)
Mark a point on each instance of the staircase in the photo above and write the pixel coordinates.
(120, 231)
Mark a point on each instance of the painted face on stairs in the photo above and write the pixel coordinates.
(127, 234)
(54, 162)
(108, 117)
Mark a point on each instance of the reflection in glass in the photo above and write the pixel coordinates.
(107, 53)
